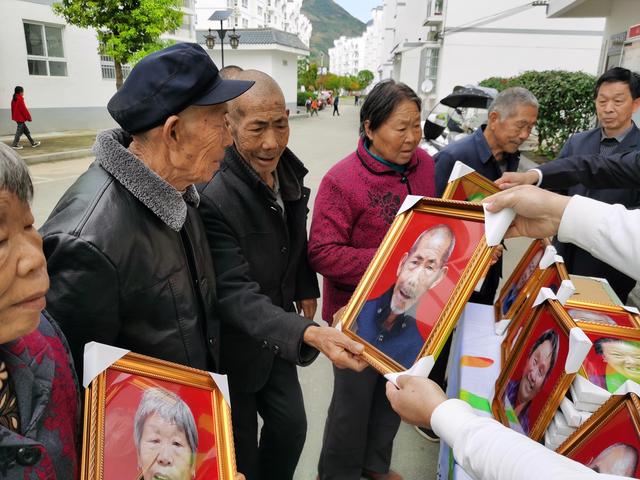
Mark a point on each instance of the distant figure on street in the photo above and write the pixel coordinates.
(356, 99)
(314, 107)
(308, 105)
(20, 114)
(336, 101)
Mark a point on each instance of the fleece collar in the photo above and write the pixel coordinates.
(148, 187)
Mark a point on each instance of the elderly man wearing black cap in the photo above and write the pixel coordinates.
(126, 250)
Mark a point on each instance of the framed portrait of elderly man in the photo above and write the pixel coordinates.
(609, 441)
(471, 187)
(518, 286)
(615, 355)
(147, 419)
(534, 378)
(413, 292)
(612, 315)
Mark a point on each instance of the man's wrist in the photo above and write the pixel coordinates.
(535, 176)
(310, 336)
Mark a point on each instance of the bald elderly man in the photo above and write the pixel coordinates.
(255, 212)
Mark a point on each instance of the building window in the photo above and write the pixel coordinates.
(45, 52)
(260, 11)
(245, 23)
(245, 3)
(108, 67)
(431, 64)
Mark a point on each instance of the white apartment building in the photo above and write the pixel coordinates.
(283, 15)
(67, 82)
(348, 56)
(458, 42)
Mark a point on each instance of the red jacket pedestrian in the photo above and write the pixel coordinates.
(19, 111)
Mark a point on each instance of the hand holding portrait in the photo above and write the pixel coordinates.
(415, 399)
(340, 349)
(514, 179)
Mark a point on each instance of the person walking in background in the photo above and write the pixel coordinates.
(314, 107)
(20, 114)
(336, 101)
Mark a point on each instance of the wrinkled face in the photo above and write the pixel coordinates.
(617, 460)
(512, 131)
(164, 451)
(398, 137)
(535, 372)
(615, 106)
(260, 130)
(23, 269)
(623, 357)
(204, 137)
(419, 271)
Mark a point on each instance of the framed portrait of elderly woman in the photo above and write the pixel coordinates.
(521, 282)
(414, 290)
(536, 375)
(609, 441)
(615, 355)
(471, 187)
(147, 419)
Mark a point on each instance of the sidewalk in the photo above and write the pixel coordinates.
(56, 146)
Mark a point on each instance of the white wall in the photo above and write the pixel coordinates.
(269, 61)
(508, 46)
(623, 14)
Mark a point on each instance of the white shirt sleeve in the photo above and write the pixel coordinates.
(487, 450)
(539, 172)
(608, 232)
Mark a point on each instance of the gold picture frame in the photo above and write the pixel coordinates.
(466, 264)
(609, 362)
(550, 277)
(546, 336)
(117, 391)
(615, 424)
(471, 187)
(593, 291)
(521, 282)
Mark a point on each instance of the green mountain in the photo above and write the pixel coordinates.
(330, 21)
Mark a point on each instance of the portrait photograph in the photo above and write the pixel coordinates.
(604, 314)
(614, 357)
(609, 442)
(171, 428)
(517, 287)
(551, 277)
(472, 187)
(533, 380)
(414, 290)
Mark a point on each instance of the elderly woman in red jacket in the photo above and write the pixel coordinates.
(356, 203)
(20, 114)
(39, 400)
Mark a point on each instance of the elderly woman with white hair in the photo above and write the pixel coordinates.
(39, 401)
(166, 436)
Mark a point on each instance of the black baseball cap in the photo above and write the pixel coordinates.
(166, 82)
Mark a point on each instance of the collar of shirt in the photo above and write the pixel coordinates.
(383, 310)
(620, 137)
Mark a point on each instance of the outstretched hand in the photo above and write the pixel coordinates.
(538, 212)
(513, 179)
(415, 399)
(340, 349)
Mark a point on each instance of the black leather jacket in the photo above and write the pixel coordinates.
(130, 264)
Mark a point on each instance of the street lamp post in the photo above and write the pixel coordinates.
(234, 38)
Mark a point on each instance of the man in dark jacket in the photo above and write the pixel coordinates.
(126, 250)
(617, 97)
(255, 212)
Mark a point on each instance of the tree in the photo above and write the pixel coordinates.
(365, 77)
(125, 28)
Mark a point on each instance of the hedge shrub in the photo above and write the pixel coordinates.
(566, 103)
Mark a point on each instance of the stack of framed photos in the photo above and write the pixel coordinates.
(413, 292)
(609, 441)
(536, 375)
(148, 419)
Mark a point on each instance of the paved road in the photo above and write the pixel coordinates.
(319, 142)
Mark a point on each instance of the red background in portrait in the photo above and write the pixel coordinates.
(618, 428)
(124, 392)
(622, 319)
(544, 322)
(467, 232)
(594, 364)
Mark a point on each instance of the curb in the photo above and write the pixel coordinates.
(58, 156)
